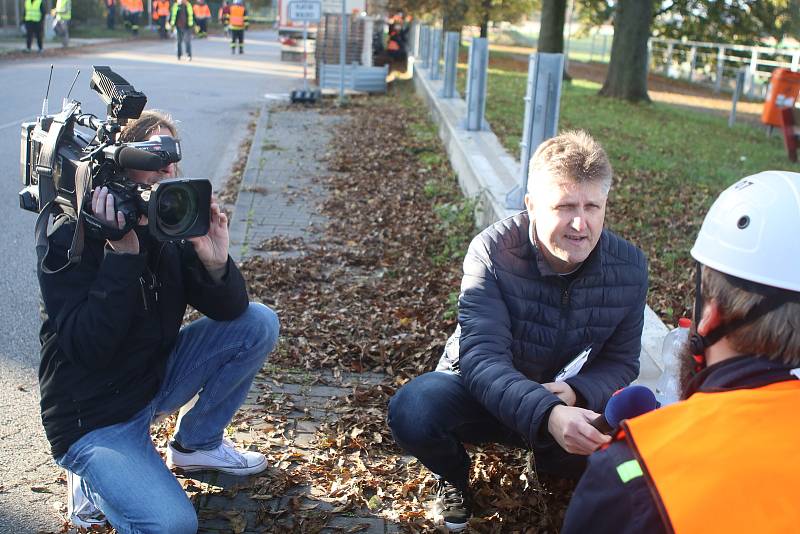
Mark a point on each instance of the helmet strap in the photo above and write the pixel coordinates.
(699, 343)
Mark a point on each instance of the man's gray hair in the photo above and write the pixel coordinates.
(573, 156)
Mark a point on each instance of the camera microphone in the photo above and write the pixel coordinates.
(625, 404)
(134, 158)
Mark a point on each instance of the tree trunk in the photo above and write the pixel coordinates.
(486, 8)
(627, 70)
(551, 29)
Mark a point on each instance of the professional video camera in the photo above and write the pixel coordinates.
(61, 165)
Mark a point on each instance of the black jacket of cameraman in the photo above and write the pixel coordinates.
(111, 323)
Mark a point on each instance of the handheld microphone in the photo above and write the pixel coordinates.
(135, 158)
(625, 404)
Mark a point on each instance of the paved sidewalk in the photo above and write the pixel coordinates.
(278, 198)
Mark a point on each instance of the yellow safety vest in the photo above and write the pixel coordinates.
(33, 10)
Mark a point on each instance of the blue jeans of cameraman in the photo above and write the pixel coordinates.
(433, 415)
(122, 472)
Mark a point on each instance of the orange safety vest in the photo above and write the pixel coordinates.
(236, 18)
(135, 6)
(724, 462)
(202, 11)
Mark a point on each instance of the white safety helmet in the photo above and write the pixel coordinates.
(752, 231)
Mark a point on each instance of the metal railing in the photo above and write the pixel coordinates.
(716, 64)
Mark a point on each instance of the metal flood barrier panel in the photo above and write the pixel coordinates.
(356, 78)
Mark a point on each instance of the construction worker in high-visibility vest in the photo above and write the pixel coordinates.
(34, 22)
(160, 10)
(62, 14)
(135, 10)
(202, 14)
(237, 22)
(110, 8)
(182, 19)
(722, 460)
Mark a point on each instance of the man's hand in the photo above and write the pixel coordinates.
(103, 210)
(563, 391)
(571, 429)
(212, 248)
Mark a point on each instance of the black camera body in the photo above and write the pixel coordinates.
(60, 165)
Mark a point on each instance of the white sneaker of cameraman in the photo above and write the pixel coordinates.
(226, 458)
(80, 510)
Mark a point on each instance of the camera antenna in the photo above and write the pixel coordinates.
(73, 84)
(47, 93)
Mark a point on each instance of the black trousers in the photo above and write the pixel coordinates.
(237, 35)
(33, 29)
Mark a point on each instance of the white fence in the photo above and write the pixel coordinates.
(716, 64)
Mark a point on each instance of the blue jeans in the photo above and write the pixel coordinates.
(123, 473)
(184, 35)
(433, 415)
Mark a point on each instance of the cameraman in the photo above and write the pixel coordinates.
(115, 358)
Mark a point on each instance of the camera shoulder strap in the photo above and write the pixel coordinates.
(83, 179)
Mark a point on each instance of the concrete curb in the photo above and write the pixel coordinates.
(242, 216)
(485, 170)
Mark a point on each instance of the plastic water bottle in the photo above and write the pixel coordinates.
(668, 386)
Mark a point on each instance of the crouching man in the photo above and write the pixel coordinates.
(539, 289)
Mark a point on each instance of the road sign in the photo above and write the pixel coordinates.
(305, 11)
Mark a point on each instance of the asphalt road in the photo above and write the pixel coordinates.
(211, 98)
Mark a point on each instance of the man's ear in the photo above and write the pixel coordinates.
(528, 202)
(711, 318)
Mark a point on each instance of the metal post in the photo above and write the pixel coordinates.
(591, 50)
(668, 62)
(750, 80)
(342, 51)
(429, 48)
(542, 99)
(450, 64)
(436, 54)
(692, 62)
(305, 58)
(478, 71)
(720, 69)
(424, 45)
(603, 52)
(415, 30)
(737, 92)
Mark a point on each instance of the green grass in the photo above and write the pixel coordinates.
(670, 162)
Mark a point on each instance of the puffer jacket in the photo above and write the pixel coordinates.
(520, 325)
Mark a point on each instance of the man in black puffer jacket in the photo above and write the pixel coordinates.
(539, 289)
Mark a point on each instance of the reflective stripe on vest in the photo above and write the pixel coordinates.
(724, 462)
(236, 17)
(33, 10)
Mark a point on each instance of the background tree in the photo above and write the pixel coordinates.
(627, 69)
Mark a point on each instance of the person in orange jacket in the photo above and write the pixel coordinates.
(723, 459)
(160, 10)
(236, 20)
(202, 14)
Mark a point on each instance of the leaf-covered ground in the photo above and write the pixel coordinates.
(374, 290)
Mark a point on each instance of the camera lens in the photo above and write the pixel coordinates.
(177, 209)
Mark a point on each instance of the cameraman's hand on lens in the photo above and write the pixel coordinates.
(212, 248)
(571, 428)
(103, 209)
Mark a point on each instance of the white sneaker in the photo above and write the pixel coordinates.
(81, 512)
(225, 458)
